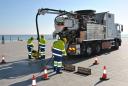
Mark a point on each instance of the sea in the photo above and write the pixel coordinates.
(9, 38)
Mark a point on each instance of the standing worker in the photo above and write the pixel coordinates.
(58, 51)
(30, 46)
(42, 43)
(3, 41)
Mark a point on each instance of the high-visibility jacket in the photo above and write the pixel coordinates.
(59, 44)
(29, 42)
(42, 41)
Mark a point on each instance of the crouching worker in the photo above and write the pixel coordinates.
(58, 51)
(30, 46)
(42, 44)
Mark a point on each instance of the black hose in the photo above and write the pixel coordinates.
(38, 35)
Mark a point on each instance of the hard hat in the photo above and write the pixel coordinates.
(42, 36)
(32, 38)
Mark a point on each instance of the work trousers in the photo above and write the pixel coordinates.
(30, 48)
(42, 51)
(57, 64)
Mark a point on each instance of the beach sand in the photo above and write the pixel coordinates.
(16, 56)
(18, 49)
(18, 71)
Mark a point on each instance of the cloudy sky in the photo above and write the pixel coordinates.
(18, 16)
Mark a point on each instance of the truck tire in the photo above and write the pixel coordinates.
(88, 50)
(97, 49)
(116, 45)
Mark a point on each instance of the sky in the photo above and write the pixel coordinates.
(18, 16)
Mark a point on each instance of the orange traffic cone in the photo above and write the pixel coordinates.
(33, 81)
(45, 74)
(3, 60)
(96, 61)
(104, 76)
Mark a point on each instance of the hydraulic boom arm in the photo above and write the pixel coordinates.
(43, 11)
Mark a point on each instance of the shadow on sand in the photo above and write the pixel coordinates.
(79, 58)
(100, 81)
(22, 68)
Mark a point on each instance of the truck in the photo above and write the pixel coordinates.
(86, 31)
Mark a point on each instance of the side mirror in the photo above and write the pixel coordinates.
(121, 28)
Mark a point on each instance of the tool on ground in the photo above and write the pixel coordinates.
(3, 60)
(84, 71)
(33, 80)
(104, 76)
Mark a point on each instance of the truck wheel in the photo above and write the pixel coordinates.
(98, 49)
(88, 50)
(117, 45)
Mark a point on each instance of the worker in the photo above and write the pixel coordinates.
(58, 51)
(42, 43)
(3, 40)
(30, 46)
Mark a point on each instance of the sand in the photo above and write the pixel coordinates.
(18, 49)
(18, 71)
